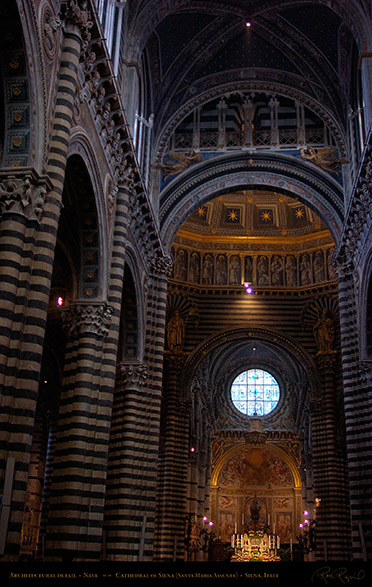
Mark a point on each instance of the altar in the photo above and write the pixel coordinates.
(255, 545)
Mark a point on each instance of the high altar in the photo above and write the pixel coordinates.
(255, 545)
(258, 543)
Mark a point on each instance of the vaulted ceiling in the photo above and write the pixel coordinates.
(191, 45)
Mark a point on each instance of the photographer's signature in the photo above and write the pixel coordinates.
(341, 574)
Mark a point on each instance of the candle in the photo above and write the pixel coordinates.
(274, 528)
(236, 528)
(232, 540)
(290, 544)
(277, 542)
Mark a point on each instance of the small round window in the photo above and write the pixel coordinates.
(255, 392)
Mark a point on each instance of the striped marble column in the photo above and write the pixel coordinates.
(77, 494)
(333, 524)
(49, 459)
(22, 197)
(30, 208)
(357, 408)
(125, 523)
(173, 467)
(161, 266)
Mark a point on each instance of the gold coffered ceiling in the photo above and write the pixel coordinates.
(254, 216)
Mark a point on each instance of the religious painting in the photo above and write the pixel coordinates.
(284, 526)
(253, 467)
(226, 525)
(255, 510)
(226, 501)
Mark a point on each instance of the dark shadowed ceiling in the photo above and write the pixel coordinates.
(190, 45)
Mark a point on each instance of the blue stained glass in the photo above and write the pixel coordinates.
(255, 392)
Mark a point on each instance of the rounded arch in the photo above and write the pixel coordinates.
(81, 148)
(281, 173)
(80, 230)
(217, 88)
(277, 451)
(131, 344)
(225, 338)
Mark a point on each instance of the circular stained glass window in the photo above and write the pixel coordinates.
(255, 392)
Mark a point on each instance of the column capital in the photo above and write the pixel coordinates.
(326, 360)
(87, 318)
(76, 14)
(175, 360)
(23, 191)
(133, 375)
(161, 266)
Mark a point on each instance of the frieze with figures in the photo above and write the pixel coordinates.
(234, 269)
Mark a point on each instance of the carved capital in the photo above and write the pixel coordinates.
(87, 318)
(161, 266)
(175, 360)
(365, 370)
(326, 360)
(75, 13)
(23, 192)
(315, 405)
(132, 374)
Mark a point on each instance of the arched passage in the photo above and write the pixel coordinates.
(279, 174)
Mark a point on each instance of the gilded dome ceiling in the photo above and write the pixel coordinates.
(257, 217)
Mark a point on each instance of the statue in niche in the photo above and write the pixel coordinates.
(207, 273)
(318, 266)
(180, 266)
(324, 158)
(194, 268)
(305, 269)
(221, 277)
(176, 332)
(234, 271)
(331, 270)
(263, 274)
(324, 332)
(255, 510)
(291, 271)
(248, 272)
(276, 270)
(180, 162)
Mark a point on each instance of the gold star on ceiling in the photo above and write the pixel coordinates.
(233, 215)
(201, 211)
(299, 213)
(266, 215)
